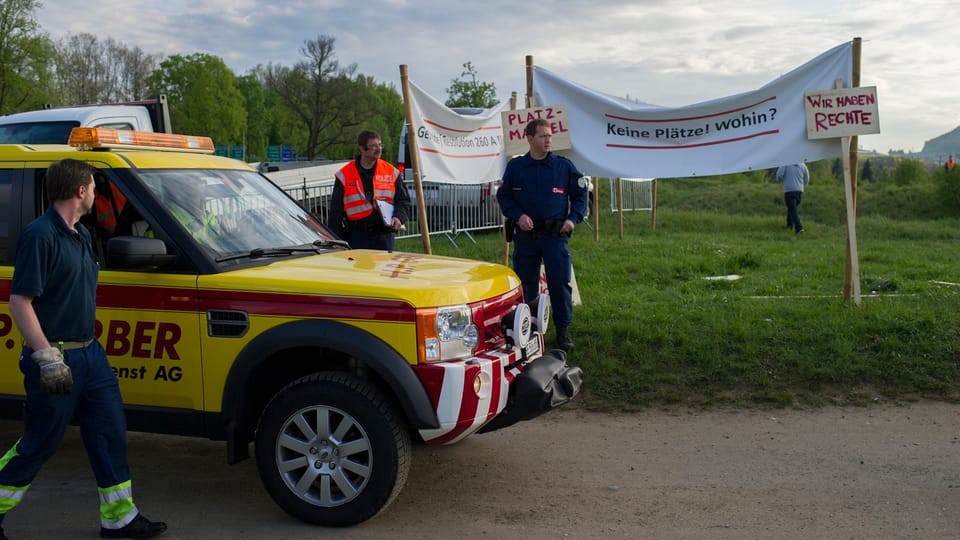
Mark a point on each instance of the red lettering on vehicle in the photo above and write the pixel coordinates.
(168, 335)
(142, 339)
(116, 343)
(150, 339)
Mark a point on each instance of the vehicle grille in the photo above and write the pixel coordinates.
(489, 315)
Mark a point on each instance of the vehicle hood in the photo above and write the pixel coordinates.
(420, 280)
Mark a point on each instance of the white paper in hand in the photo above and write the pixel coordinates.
(386, 210)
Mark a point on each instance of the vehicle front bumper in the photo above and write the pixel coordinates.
(494, 390)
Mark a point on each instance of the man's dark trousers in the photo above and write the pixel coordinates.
(529, 249)
(792, 200)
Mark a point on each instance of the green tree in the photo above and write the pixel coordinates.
(83, 71)
(203, 97)
(948, 190)
(384, 115)
(909, 171)
(323, 96)
(836, 169)
(467, 91)
(866, 173)
(25, 56)
(257, 129)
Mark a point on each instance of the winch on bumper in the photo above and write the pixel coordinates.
(499, 388)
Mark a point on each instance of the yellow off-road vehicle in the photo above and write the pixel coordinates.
(229, 312)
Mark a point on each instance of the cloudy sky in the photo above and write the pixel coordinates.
(664, 52)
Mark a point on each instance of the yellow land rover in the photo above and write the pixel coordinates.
(229, 312)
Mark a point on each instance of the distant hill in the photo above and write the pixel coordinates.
(938, 148)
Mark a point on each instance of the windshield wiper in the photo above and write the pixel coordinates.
(257, 253)
(266, 252)
(324, 244)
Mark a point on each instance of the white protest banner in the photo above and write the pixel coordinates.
(843, 112)
(514, 122)
(615, 137)
(457, 148)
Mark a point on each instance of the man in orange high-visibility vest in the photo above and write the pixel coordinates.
(369, 202)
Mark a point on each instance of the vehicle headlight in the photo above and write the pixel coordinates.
(451, 334)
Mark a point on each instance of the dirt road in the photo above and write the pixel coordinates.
(879, 472)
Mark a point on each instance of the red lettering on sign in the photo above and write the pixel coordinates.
(857, 117)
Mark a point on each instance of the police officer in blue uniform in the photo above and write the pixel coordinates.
(544, 197)
(66, 373)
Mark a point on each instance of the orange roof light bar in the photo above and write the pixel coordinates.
(93, 138)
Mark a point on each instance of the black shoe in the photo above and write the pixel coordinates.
(3, 536)
(140, 527)
(800, 231)
(563, 340)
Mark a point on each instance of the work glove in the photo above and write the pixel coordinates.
(55, 376)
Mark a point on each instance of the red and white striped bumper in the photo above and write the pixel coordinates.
(460, 409)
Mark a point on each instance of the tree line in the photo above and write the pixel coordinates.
(316, 105)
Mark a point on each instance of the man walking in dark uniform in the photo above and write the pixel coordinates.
(544, 196)
(66, 373)
(369, 202)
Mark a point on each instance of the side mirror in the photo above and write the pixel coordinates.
(131, 252)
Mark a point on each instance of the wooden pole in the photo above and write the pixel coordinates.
(852, 157)
(620, 205)
(595, 209)
(653, 203)
(854, 266)
(530, 100)
(506, 245)
(415, 160)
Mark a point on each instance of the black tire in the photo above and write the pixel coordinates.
(341, 433)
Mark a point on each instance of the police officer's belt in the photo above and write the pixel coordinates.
(548, 227)
(71, 345)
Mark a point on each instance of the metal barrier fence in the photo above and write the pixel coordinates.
(637, 194)
(459, 209)
(452, 209)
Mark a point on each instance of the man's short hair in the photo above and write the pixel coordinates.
(367, 136)
(532, 126)
(65, 176)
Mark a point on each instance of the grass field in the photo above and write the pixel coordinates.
(652, 330)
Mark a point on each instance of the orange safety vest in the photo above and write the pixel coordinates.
(355, 203)
(951, 164)
(108, 208)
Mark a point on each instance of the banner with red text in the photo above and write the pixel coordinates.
(457, 148)
(765, 128)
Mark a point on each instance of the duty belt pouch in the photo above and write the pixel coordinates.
(553, 226)
(549, 227)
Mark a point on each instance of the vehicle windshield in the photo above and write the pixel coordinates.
(236, 212)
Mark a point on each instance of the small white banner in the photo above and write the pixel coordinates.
(456, 148)
(843, 112)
